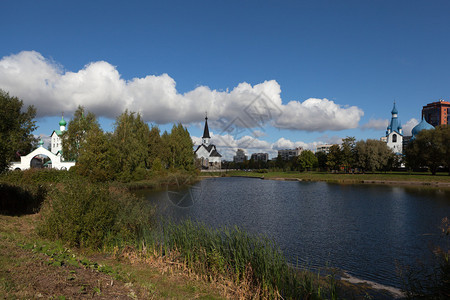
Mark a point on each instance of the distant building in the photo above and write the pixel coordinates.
(240, 156)
(260, 157)
(324, 148)
(55, 138)
(287, 154)
(436, 113)
(394, 133)
(207, 153)
(36, 159)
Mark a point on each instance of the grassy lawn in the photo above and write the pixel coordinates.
(351, 178)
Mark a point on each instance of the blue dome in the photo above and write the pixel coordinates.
(394, 110)
(423, 125)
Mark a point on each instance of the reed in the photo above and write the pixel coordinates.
(249, 260)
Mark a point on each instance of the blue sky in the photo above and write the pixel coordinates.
(322, 70)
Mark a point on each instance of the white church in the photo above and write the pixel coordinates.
(207, 153)
(55, 153)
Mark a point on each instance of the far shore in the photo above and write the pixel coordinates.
(442, 180)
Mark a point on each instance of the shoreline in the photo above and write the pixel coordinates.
(411, 183)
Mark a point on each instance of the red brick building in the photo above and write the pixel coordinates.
(436, 113)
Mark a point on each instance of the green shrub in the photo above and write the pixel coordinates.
(36, 176)
(92, 215)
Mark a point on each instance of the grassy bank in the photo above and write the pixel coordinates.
(389, 177)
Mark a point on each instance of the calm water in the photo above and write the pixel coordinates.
(365, 230)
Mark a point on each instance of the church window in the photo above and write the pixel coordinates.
(394, 138)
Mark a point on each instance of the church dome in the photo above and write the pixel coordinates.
(62, 122)
(41, 143)
(394, 110)
(423, 125)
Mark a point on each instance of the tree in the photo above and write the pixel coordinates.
(155, 148)
(97, 157)
(181, 150)
(16, 127)
(131, 139)
(348, 152)
(321, 160)
(75, 135)
(373, 155)
(334, 157)
(307, 160)
(429, 149)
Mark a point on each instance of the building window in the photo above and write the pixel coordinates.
(394, 138)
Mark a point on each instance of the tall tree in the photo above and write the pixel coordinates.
(16, 127)
(307, 160)
(181, 148)
(373, 155)
(321, 160)
(334, 157)
(97, 157)
(429, 149)
(131, 139)
(155, 148)
(348, 152)
(75, 135)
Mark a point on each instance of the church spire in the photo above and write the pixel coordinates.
(206, 136)
(206, 131)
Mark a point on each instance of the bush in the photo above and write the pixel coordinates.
(92, 215)
(36, 176)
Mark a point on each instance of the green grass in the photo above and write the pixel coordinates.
(351, 178)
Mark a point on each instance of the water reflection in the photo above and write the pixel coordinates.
(363, 229)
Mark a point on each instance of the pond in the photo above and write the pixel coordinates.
(365, 230)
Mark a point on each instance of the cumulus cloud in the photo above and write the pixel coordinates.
(407, 128)
(376, 124)
(318, 115)
(100, 88)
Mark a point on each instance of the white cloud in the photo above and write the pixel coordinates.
(376, 124)
(100, 88)
(407, 128)
(318, 115)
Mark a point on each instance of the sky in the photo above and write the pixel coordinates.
(269, 74)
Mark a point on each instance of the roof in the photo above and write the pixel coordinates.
(395, 123)
(58, 132)
(423, 125)
(206, 131)
(215, 153)
(394, 110)
(62, 122)
(211, 149)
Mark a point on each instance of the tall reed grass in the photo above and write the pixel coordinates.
(233, 253)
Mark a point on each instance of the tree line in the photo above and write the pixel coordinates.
(131, 152)
(429, 150)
